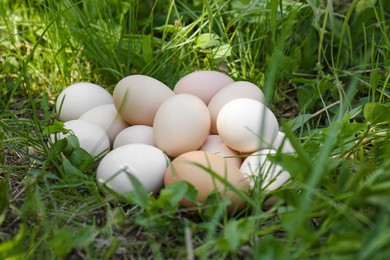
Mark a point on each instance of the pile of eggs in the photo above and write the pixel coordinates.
(208, 130)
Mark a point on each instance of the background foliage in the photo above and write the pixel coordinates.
(323, 65)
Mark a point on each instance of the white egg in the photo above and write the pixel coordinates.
(247, 125)
(137, 98)
(257, 165)
(144, 162)
(136, 134)
(80, 97)
(239, 89)
(92, 138)
(106, 117)
(182, 124)
(214, 144)
(283, 143)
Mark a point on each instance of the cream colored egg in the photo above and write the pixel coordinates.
(92, 137)
(137, 98)
(146, 163)
(259, 169)
(214, 144)
(106, 117)
(182, 124)
(283, 143)
(80, 97)
(136, 134)
(186, 168)
(203, 84)
(247, 125)
(239, 89)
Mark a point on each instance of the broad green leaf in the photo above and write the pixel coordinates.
(81, 159)
(55, 128)
(376, 113)
(207, 40)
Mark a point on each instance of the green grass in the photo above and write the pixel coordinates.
(323, 65)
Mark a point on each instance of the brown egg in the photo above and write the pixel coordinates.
(186, 168)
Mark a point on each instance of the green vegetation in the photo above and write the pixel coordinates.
(325, 69)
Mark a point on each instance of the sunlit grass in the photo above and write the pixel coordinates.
(323, 65)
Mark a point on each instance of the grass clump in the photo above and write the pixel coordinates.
(324, 66)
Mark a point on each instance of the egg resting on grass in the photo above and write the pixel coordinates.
(137, 98)
(141, 134)
(247, 125)
(145, 162)
(92, 138)
(257, 165)
(185, 168)
(214, 144)
(239, 89)
(181, 124)
(80, 97)
(204, 84)
(106, 117)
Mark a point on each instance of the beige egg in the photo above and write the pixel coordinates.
(203, 84)
(239, 89)
(136, 134)
(80, 97)
(106, 117)
(185, 168)
(137, 98)
(214, 144)
(181, 124)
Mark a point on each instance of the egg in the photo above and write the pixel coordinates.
(283, 143)
(137, 98)
(257, 165)
(92, 138)
(247, 125)
(181, 124)
(214, 144)
(239, 89)
(203, 84)
(106, 117)
(186, 168)
(146, 163)
(141, 134)
(80, 97)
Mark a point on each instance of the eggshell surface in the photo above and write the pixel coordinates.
(80, 97)
(146, 163)
(184, 168)
(203, 84)
(137, 98)
(141, 134)
(247, 125)
(106, 117)
(92, 137)
(257, 165)
(283, 143)
(214, 144)
(239, 89)
(182, 124)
